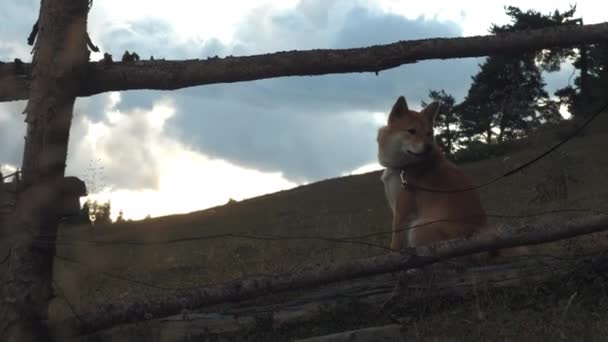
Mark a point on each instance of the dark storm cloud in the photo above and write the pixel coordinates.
(307, 127)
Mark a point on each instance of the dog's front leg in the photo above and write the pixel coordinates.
(403, 213)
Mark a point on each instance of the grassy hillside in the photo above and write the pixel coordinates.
(282, 232)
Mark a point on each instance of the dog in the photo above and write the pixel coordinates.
(414, 164)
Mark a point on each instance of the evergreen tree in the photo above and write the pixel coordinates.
(446, 123)
(120, 217)
(507, 98)
(103, 212)
(594, 61)
(548, 59)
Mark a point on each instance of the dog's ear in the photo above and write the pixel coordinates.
(399, 109)
(431, 110)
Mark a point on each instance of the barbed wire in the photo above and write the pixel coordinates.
(61, 294)
(16, 173)
(346, 239)
(516, 169)
(110, 275)
(7, 257)
(522, 216)
(114, 276)
(88, 268)
(246, 235)
(352, 239)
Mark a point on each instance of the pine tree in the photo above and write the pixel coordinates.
(446, 122)
(507, 98)
(120, 217)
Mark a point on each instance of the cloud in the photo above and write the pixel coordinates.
(125, 149)
(127, 158)
(12, 131)
(243, 139)
(17, 18)
(309, 128)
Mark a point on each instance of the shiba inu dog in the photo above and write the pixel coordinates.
(413, 162)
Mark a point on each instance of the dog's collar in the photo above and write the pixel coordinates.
(404, 183)
(407, 185)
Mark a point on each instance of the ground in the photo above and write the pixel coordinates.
(283, 232)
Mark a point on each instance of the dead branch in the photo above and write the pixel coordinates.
(107, 315)
(32, 37)
(169, 75)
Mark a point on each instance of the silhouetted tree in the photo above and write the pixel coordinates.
(120, 217)
(446, 122)
(507, 98)
(101, 211)
(595, 61)
(547, 59)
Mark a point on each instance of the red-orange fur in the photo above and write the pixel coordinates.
(439, 216)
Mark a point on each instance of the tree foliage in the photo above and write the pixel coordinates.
(549, 59)
(446, 123)
(594, 59)
(507, 98)
(101, 211)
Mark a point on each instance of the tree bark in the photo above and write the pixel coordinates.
(170, 75)
(108, 315)
(57, 71)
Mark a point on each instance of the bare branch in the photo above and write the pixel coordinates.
(90, 44)
(169, 75)
(32, 37)
(107, 315)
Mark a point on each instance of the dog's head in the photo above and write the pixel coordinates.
(407, 138)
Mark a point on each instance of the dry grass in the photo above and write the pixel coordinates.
(571, 178)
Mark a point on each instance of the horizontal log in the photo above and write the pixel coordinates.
(107, 315)
(169, 75)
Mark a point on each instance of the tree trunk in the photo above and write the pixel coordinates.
(168, 75)
(489, 135)
(58, 66)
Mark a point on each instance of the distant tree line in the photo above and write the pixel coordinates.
(507, 99)
(94, 212)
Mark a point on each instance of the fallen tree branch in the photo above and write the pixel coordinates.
(288, 309)
(169, 75)
(107, 315)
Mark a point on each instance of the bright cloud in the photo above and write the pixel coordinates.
(365, 169)
(194, 21)
(131, 146)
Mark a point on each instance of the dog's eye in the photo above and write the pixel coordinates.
(412, 131)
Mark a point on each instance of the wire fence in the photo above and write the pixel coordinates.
(354, 239)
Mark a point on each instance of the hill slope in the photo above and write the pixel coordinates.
(284, 231)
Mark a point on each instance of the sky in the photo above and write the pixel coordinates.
(158, 153)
